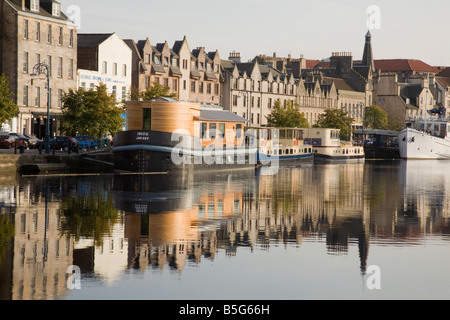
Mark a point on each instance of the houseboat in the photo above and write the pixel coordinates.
(164, 135)
(425, 140)
(280, 146)
(327, 146)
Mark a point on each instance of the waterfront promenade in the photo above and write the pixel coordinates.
(32, 161)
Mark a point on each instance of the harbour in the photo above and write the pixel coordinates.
(313, 232)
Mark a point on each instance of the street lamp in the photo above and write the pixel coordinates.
(38, 69)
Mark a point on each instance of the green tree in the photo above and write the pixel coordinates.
(288, 117)
(8, 109)
(376, 118)
(336, 119)
(93, 113)
(157, 90)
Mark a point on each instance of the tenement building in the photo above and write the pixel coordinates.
(193, 75)
(251, 89)
(104, 58)
(34, 32)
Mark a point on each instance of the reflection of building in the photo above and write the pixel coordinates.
(41, 252)
(32, 32)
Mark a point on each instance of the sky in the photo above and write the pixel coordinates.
(413, 29)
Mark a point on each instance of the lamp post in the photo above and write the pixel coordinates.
(38, 69)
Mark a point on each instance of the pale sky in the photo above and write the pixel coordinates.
(415, 29)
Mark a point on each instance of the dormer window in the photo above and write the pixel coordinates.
(34, 5)
(56, 10)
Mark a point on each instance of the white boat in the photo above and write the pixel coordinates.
(425, 140)
(328, 147)
(281, 146)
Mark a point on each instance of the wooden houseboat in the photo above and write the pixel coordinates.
(281, 146)
(328, 147)
(165, 135)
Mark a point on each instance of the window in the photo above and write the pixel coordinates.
(71, 68)
(147, 81)
(203, 130)
(124, 93)
(34, 6)
(83, 85)
(147, 59)
(71, 38)
(37, 100)
(60, 67)
(208, 88)
(185, 64)
(49, 34)
(166, 62)
(147, 119)
(105, 67)
(56, 9)
(60, 96)
(38, 58)
(49, 63)
(25, 95)
(192, 86)
(115, 69)
(60, 36)
(38, 31)
(25, 29)
(239, 130)
(212, 130)
(25, 62)
(124, 70)
(174, 84)
(200, 87)
(184, 84)
(91, 87)
(221, 130)
(216, 89)
(114, 90)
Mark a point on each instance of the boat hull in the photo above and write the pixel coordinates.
(287, 160)
(414, 144)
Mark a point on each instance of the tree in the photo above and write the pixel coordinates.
(157, 90)
(8, 109)
(336, 119)
(93, 113)
(287, 118)
(376, 118)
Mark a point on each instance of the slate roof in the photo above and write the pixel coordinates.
(444, 73)
(219, 115)
(92, 40)
(17, 5)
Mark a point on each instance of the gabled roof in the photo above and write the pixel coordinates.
(404, 65)
(219, 115)
(92, 40)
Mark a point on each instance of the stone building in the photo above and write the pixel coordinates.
(104, 58)
(33, 32)
(194, 76)
(251, 89)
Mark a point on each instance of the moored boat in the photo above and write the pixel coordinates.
(281, 146)
(425, 140)
(328, 147)
(165, 135)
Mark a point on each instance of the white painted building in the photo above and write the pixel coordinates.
(104, 58)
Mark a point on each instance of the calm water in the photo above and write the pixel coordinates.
(378, 230)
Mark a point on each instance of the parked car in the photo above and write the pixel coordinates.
(12, 140)
(62, 143)
(32, 141)
(86, 142)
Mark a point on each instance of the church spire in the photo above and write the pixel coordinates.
(368, 53)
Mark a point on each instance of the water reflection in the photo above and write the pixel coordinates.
(111, 225)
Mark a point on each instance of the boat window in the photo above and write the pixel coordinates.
(292, 151)
(275, 134)
(282, 134)
(147, 119)
(221, 130)
(203, 130)
(289, 134)
(238, 131)
(212, 130)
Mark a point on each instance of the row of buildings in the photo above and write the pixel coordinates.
(36, 31)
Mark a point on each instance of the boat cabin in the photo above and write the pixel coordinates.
(323, 137)
(436, 128)
(211, 125)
